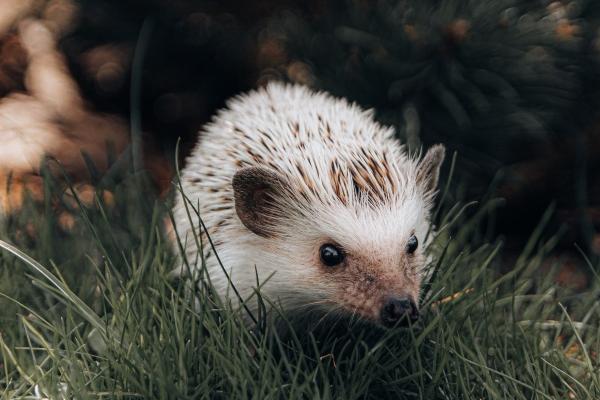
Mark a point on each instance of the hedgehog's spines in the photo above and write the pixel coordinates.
(347, 179)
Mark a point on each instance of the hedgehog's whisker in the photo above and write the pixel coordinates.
(354, 314)
(331, 311)
(313, 303)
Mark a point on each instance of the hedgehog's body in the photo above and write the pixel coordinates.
(314, 195)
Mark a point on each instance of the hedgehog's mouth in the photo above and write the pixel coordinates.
(390, 312)
(398, 311)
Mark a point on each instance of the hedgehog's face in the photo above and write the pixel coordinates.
(364, 261)
(373, 260)
(376, 282)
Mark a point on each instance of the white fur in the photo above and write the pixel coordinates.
(292, 256)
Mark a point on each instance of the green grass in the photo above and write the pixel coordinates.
(111, 323)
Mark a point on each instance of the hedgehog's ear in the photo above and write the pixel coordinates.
(428, 171)
(255, 191)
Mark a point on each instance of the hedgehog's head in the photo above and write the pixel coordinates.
(358, 251)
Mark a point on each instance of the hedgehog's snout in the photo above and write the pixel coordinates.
(398, 311)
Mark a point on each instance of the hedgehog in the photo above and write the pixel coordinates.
(308, 197)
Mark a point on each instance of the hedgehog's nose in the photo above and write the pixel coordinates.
(399, 311)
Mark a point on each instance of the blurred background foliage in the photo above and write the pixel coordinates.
(511, 85)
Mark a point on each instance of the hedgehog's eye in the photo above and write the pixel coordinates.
(412, 244)
(331, 255)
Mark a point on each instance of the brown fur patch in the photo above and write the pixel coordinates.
(335, 175)
(255, 156)
(327, 132)
(295, 129)
(310, 184)
(371, 176)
